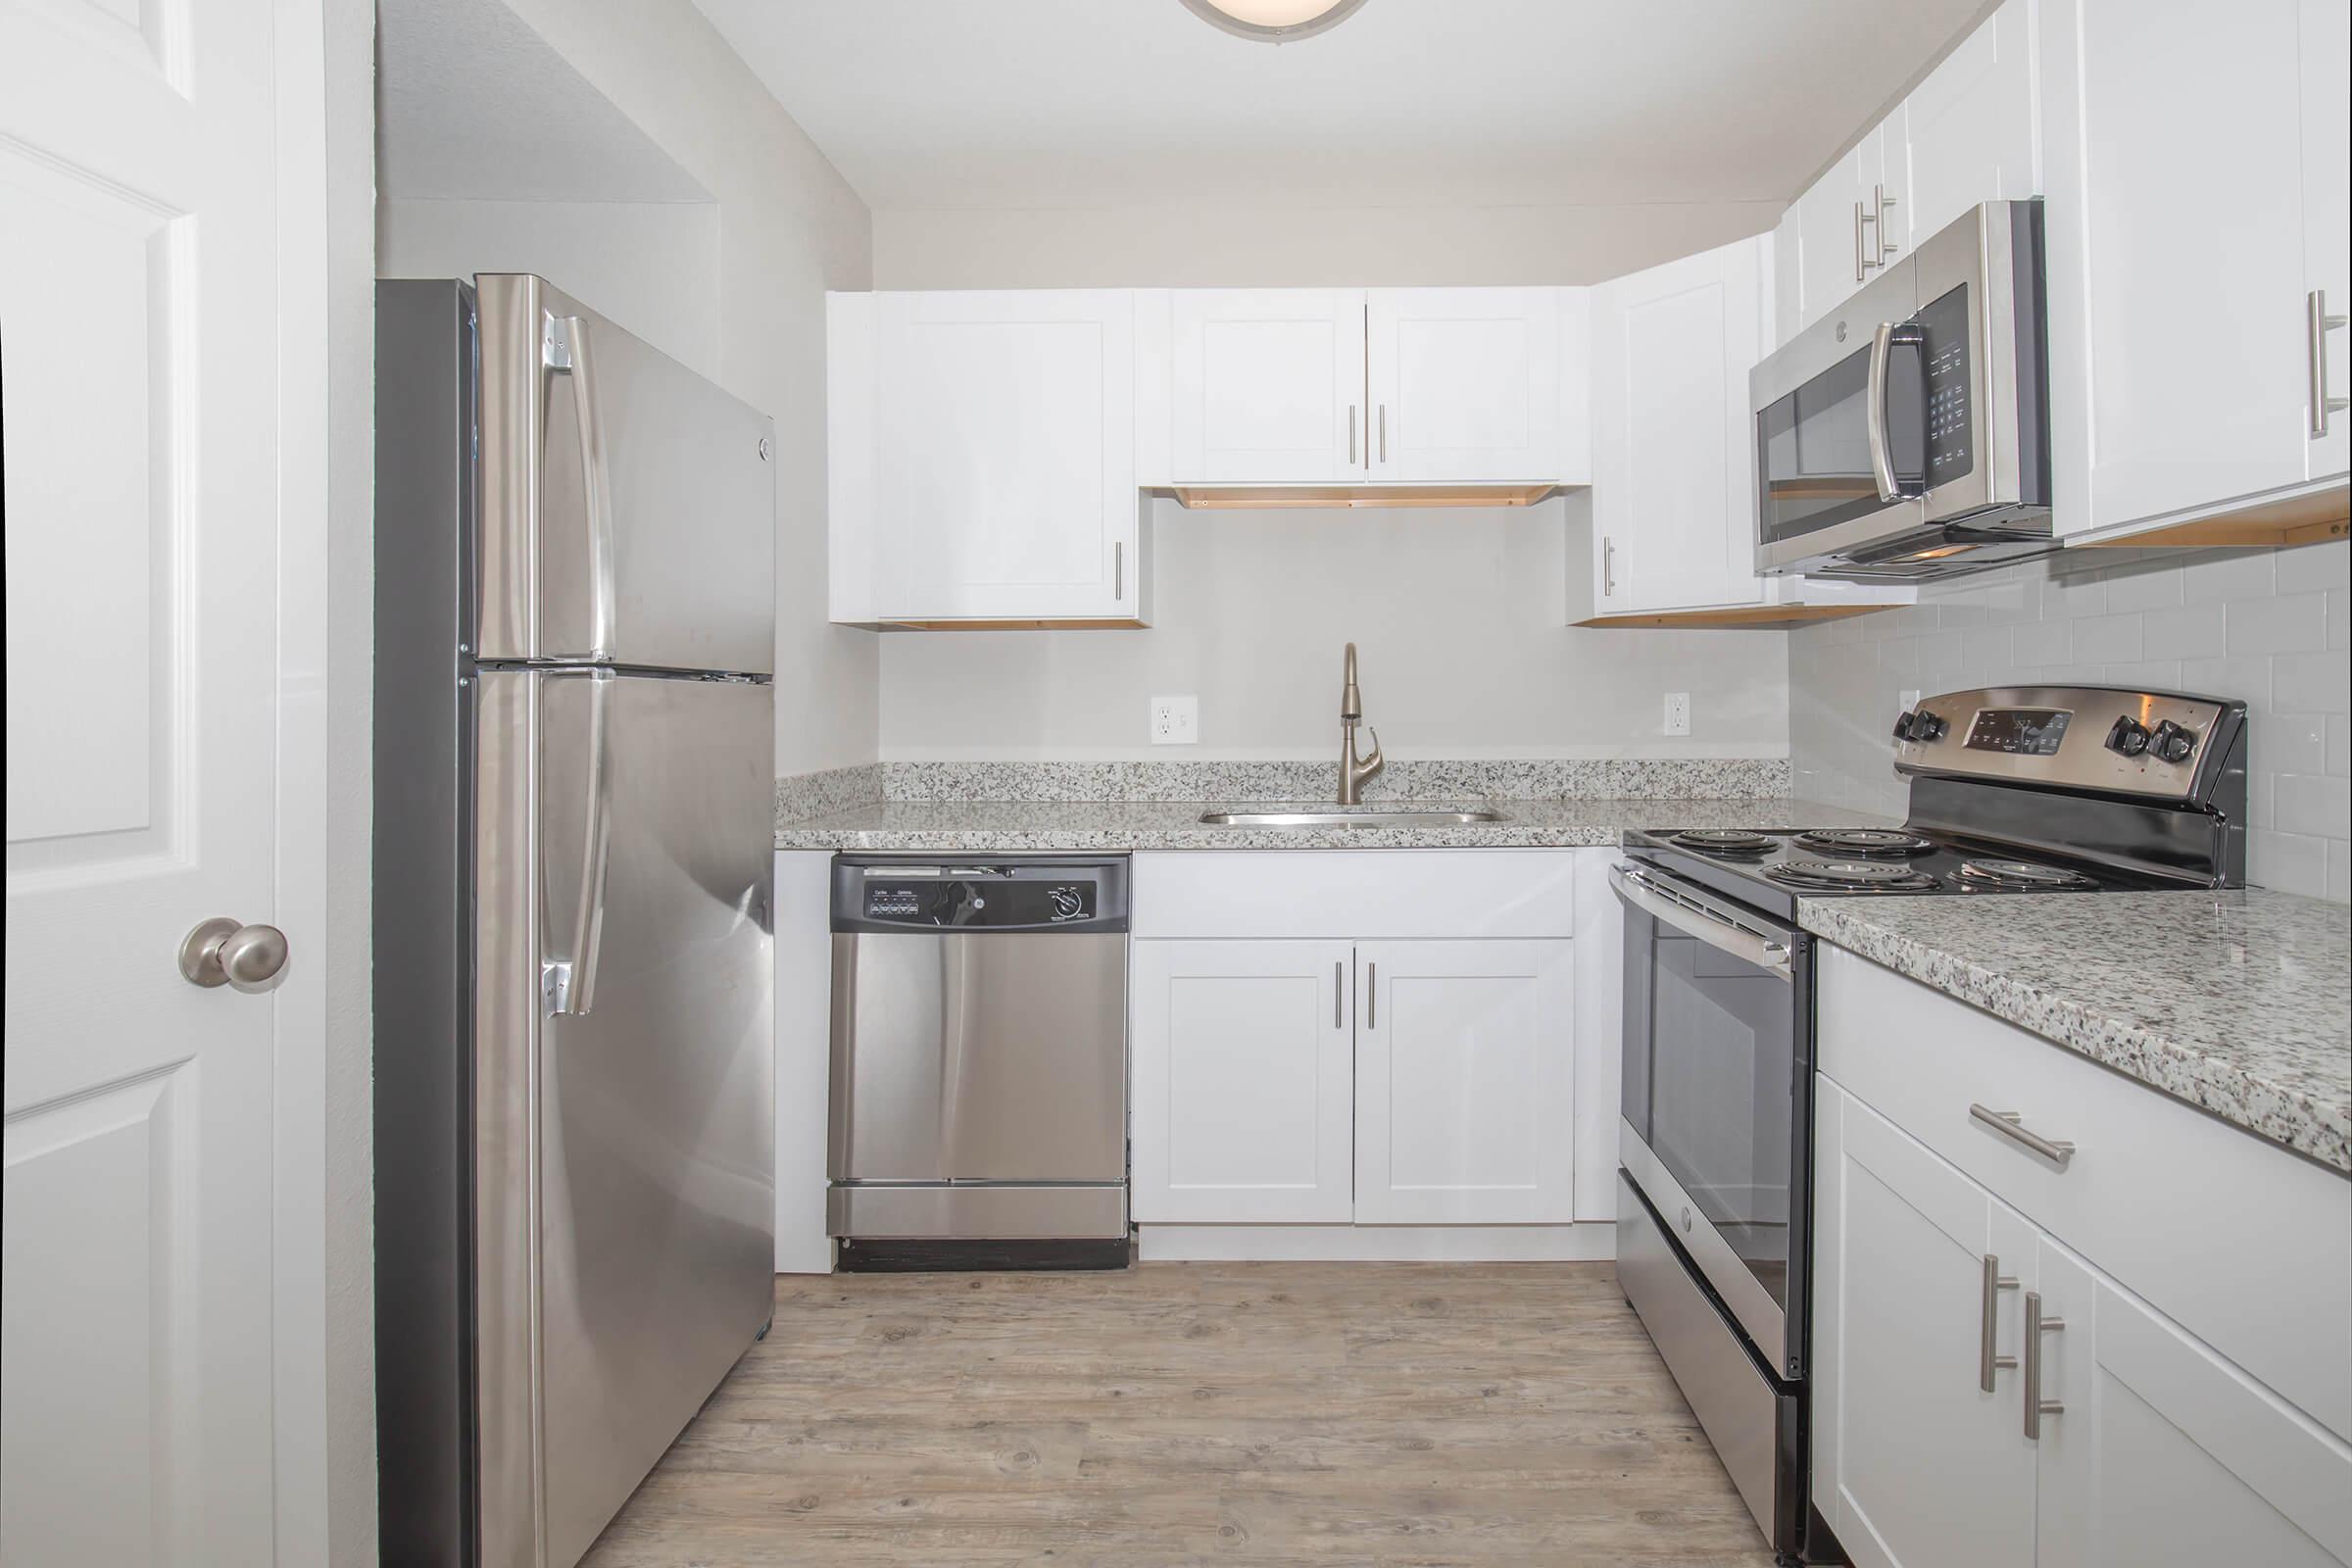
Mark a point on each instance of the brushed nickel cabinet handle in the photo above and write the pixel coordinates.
(2010, 1124)
(1608, 567)
(2319, 325)
(1372, 996)
(2036, 1326)
(1384, 432)
(1877, 194)
(1338, 986)
(1352, 435)
(1862, 259)
(1118, 570)
(1988, 1358)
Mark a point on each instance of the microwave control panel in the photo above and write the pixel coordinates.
(1951, 423)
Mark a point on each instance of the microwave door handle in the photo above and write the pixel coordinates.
(1883, 341)
(1737, 939)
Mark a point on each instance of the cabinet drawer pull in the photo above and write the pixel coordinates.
(1118, 571)
(2011, 1125)
(1352, 435)
(1989, 1358)
(1371, 995)
(1338, 984)
(2036, 1327)
(1608, 567)
(1384, 432)
(1879, 195)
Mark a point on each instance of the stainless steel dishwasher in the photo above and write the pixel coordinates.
(979, 1081)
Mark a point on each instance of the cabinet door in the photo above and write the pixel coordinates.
(1270, 385)
(2325, 32)
(1465, 1082)
(1244, 1090)
(1464, 384)
(2177, 341)
(1966, 134)
(1831, 243)
(1915, 1465)
(2165, 1453)
(1672, 489)
(1003, 470)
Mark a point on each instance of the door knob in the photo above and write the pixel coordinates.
(222, 953)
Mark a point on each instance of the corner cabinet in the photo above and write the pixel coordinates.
(981, 453)
(1667, 533)
(2098, 1360)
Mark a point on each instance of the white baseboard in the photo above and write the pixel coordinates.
(1376, 1244)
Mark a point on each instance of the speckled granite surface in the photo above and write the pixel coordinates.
(1518, 779)
(2240, 1002)
(1013, 827)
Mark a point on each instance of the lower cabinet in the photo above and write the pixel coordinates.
(2144, 1448)
(1325, 1082)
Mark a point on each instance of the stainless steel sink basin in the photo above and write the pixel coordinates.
(1371, 818)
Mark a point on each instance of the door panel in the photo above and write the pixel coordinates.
(1243, 1082)
(1464, 384)
(654, 1114)
(1966, 134)
(1270, 385)
(1008, 485)
(2165, 1454)
(629, 504)
(2325, 33)
(1928, 1467)
(153, 518)
(1465, 1082)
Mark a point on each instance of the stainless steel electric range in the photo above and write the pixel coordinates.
(2039, 789)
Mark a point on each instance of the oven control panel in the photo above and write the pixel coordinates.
(2167, 745)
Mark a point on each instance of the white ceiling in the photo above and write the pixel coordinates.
(472, 103)
(1107, 103)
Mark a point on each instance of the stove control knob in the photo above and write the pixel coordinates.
(1903, 727)
(1926, 728)
(2172, 743)
(2129, 738)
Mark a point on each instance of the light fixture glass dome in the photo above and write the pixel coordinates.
(1274, 20)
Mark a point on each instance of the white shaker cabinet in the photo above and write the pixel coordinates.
(2326, 48)
(1915, 1462)
(1464, 384)
(1270, 385)
(1243, 1082)
(1965, 134)
(2180, 262)
(2164, 1452)
(1464, 1083)
(982, 457)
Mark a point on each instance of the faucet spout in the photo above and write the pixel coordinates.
(1355, 770)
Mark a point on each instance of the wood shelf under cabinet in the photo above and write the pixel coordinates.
(1744, 617)
(1101, 624)
(2304, 519)
(1210, 498)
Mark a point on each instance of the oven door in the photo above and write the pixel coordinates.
(1718, 1094)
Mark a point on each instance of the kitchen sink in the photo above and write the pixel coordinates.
(1370, 818)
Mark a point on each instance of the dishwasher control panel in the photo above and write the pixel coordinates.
(895, 893)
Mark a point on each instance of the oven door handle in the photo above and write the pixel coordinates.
(1696, 920)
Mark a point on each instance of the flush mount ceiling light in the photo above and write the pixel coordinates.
(1274, 20)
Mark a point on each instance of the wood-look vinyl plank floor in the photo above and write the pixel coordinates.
(1244, 1415)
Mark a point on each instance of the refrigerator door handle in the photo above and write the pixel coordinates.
(568, 351)
(569, 982)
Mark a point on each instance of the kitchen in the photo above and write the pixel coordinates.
(1178, 822)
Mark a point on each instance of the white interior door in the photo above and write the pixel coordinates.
(1270, 385)
(140, 409)
(1464, 384)
(1242, 1080)
(1465, 1068)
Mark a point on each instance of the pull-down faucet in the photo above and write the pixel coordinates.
(1355, 770)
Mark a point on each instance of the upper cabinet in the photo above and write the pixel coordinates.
(2189, 344)
(1374, 387)
(982, 458)
(1965, 134)
(1668, 529)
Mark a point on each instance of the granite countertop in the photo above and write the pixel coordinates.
(1028, 826)
(2239, 1003)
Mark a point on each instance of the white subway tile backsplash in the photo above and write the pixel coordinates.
(2284, 623)
(2208, 621)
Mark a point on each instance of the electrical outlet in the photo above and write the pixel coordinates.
(1175, 720)
(1678, 713)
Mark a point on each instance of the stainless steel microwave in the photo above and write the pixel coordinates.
(1905, 435)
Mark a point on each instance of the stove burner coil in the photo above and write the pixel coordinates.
(2020, 874)
(1874, 841)
(1868, 877)
(1723, 841)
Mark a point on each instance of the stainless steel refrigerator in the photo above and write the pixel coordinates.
(574, 817)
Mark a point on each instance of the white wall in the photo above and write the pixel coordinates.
(787, 228)
(651, 266)
(2272, 628)
(1189, 247)
(1458, 616)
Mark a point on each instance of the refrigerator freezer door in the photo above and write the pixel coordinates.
(627, 504)
(636, 856)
